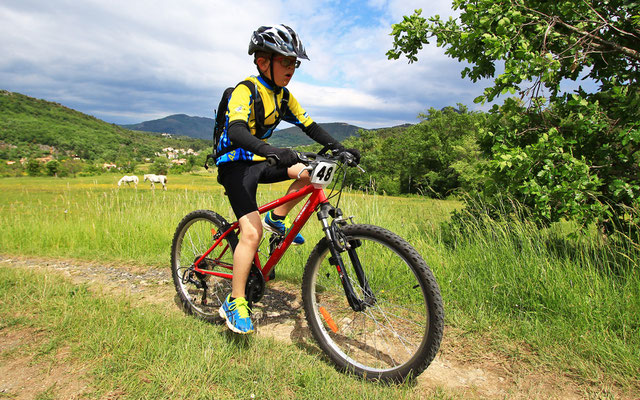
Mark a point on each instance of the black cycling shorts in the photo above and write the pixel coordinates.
(240, 180)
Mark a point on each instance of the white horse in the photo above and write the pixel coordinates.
(156, 179)
(128, 179)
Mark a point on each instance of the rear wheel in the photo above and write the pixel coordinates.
(201, 294)
(398, 333)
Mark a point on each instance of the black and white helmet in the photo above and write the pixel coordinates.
(277, 39)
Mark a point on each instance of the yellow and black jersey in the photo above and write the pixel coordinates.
(241, 108)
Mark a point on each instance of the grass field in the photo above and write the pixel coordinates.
(557, 303)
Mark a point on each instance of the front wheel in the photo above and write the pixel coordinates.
(201, 294)
(398, 332)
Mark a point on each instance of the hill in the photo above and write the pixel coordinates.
(202, 128)
(293, 136)
(29, 125)
(178, 124)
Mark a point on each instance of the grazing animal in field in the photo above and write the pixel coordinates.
(128, 179)
(156, 179)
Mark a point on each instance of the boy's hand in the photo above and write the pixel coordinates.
(284, 157)
(354, 152)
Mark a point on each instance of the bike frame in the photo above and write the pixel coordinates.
(317, 198)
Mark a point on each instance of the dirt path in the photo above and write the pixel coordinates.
(278, 315)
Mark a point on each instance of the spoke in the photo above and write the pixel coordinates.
(400, 317)
(374, 341)
(354, 341)
(389, 350)
(395, 332)
(192, 245)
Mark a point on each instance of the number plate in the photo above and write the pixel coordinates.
(323, 174)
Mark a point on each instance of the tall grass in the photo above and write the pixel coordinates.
(571, 303)
(90, 218)
(573, 299)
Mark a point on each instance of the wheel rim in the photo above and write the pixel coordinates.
(387, 335)
(195, 239)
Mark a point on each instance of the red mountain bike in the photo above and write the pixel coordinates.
(371, 302)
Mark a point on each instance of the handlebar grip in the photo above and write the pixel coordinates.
(271, 161)
(347, 158)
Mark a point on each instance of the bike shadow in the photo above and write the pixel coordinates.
(278, 315)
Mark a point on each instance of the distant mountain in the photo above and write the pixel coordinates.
(293, 136)
(178, 124)
(26, 122)
(202, 128)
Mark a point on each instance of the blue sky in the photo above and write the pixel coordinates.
(132, 61)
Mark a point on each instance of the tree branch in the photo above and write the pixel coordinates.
(622, 49)
(607, 22)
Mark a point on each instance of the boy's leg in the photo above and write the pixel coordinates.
(235, 309)
(250, 235)
(298, 184)
(276, 220)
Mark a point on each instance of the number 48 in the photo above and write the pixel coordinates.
(325, 174)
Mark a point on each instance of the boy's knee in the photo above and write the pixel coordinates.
(254, 237)
(251, 229)
(251, 236)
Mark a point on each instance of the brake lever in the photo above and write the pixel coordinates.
(349, 160)
(307, 168)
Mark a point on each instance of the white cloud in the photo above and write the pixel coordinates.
(126, 60)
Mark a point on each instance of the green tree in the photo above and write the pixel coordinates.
(160, 166)
(71, 167)
(52, 167)
(444, 152)
(191, 162)
(126, 164)
(572, 154)
(34, 168)
(434, 158)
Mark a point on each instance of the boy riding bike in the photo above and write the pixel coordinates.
(242, 154)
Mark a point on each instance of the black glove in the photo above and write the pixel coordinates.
(283, 157)
(354, 152)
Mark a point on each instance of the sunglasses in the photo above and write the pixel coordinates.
(287, 62)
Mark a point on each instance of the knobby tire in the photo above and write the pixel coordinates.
(398, 335)
(193, 237)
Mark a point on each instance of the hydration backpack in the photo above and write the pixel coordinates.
(221, 117)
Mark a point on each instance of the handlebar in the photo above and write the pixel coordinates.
(344, 157)
(307, 158)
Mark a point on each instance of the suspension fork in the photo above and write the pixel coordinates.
(369, 297)
(335, 248)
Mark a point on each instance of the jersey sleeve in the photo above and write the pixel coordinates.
(239, 108)
(295, 114)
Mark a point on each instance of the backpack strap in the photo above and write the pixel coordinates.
(258, 109)
(221, 116)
